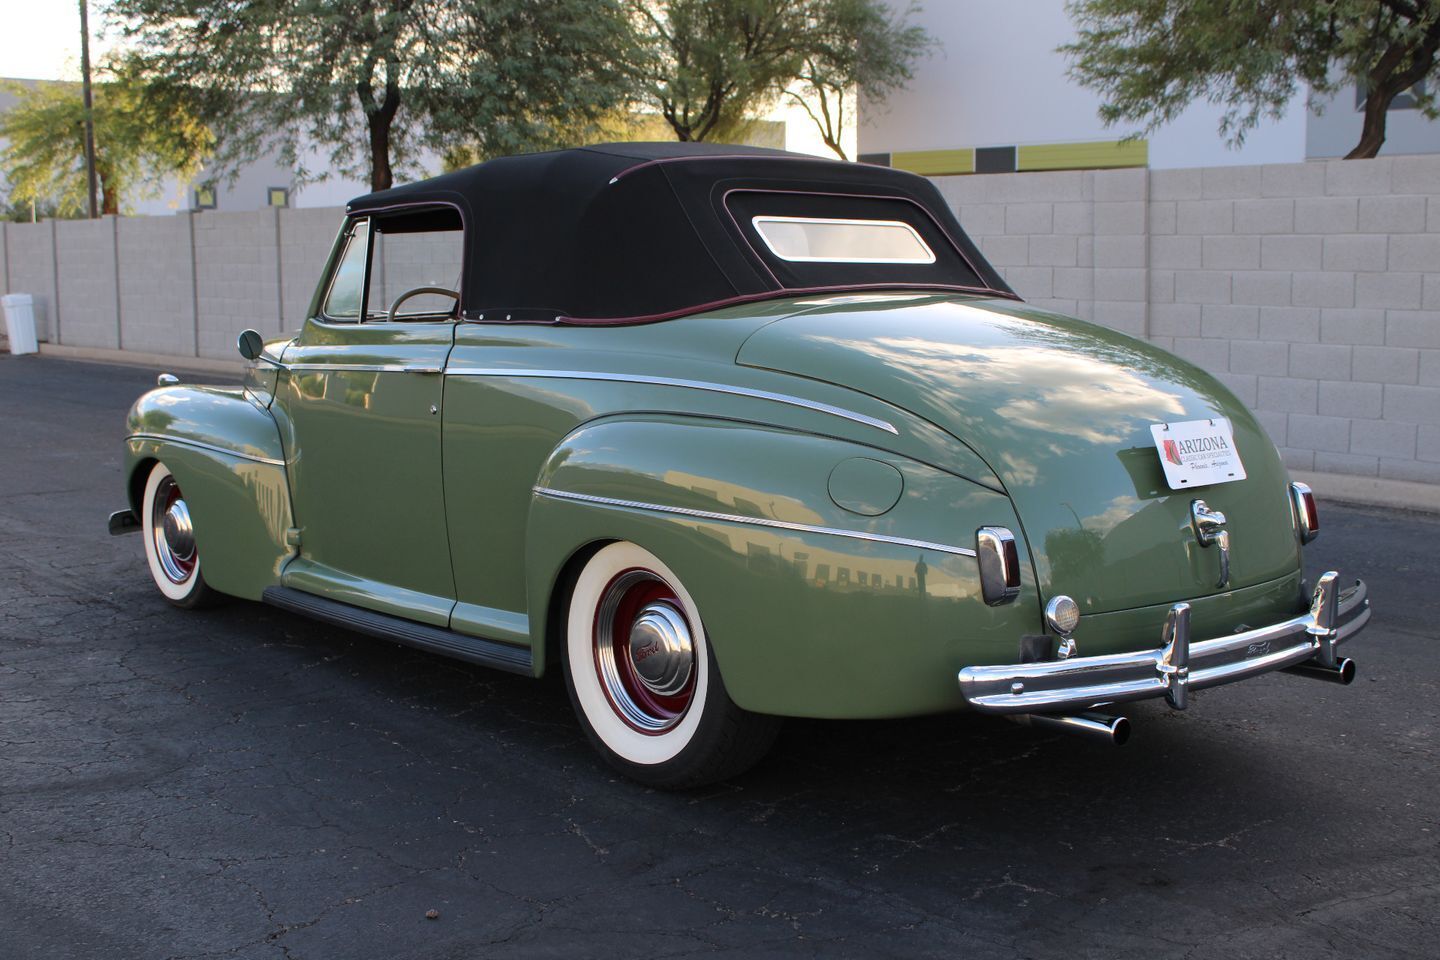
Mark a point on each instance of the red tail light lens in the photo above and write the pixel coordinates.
(999, 560)
(1307, 520)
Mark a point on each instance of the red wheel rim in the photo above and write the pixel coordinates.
(172, 533)
(641, 597)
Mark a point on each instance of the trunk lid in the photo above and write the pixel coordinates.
(1061, 410)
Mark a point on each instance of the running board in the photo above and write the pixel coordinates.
(487, 653)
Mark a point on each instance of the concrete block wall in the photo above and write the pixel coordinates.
(182, 285)
(237, 277)
(86, 274)
(30, 268)
(306, 236)
(157, 284)
(1311, 290)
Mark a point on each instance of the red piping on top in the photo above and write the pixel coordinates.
(741, 299)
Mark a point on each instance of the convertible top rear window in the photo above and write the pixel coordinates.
(810, 239)
(821, 240)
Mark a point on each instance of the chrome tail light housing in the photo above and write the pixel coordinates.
(999, 561)
(1307, 520)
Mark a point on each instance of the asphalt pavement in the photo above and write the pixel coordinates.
(241, 782)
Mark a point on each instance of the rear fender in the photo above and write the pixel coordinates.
(812, 609)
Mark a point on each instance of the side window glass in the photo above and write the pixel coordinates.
(347, 288)
(417, 256)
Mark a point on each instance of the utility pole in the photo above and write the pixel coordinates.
(89, 103)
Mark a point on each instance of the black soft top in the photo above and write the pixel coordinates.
(630, 232)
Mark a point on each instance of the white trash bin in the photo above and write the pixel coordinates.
(20, 322)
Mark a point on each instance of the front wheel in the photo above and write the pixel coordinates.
(643, 680)
(170, 547)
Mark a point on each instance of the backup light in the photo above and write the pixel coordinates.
(1063, 614)
(1307, 520)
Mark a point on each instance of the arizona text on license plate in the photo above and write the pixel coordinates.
(1197, 452)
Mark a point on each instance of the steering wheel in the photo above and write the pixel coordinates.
(442, 291)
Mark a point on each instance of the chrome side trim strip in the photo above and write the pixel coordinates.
(676, 382)
(754, 521)
(360, 368)
(186, 442)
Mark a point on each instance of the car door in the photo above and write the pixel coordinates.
(360, 407)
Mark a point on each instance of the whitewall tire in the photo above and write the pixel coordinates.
(643, 679)
(170, 548)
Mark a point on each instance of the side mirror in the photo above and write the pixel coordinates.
(250, 344)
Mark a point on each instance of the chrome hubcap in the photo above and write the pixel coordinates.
(644, 652)
(661, 650)
(173, 532)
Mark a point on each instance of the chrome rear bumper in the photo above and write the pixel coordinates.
(1178, 666)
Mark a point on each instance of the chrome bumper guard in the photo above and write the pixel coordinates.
(1178, 666)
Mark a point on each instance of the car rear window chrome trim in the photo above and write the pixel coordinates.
(676, 382)
(753, 521)
(213, 448)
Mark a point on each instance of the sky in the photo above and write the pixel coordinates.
(41, 39)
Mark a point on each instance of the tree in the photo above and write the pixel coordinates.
(371, 82)
(855, 45)
(141, 137)
(706, 65)
(1152, 58)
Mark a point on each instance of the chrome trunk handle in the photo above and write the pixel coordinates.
(1209, 527)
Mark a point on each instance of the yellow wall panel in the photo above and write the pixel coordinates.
(935, 163)
(1083, 156)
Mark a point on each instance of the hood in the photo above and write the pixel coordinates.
(1061, 411)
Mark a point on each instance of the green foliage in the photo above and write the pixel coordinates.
(17, 211)
(1152, 58)
(371, 82)
(855, 45)
(707, 65)
(142, 136)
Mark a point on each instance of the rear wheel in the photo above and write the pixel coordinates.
(643, 680)
(170, 547)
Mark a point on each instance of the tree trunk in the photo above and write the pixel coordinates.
(109, 193)
(380, 176)
(1387, 82)
(379, 119)
(1372, 135)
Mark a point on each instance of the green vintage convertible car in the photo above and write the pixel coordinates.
(730, 435)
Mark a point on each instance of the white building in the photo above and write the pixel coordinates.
(995, 97)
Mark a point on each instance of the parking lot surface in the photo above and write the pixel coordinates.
(241, 782)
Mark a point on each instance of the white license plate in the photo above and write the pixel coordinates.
(1197, 452)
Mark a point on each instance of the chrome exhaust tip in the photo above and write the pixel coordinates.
(1092, 726)
(1342, 673)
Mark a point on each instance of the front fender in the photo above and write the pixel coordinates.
(812, 609)
(219, 417)
(226, 455)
